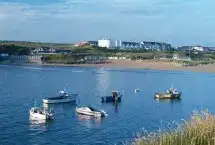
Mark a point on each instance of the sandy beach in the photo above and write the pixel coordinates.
(147, 64)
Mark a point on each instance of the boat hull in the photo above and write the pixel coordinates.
(167, 96)
(56, 100)
(95, 114)
(109, 99)
(37, 116)
(47, 101)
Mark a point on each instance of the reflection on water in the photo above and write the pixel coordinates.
(39, 126)
(89, 121)
(103, 80)
(115, 104)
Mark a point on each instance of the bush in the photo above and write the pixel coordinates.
(14, 50)
(200, 130)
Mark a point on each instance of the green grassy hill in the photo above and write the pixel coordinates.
(36, 44)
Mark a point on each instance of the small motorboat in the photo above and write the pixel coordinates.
(116, 97)
(170, 94)
(37, 113)
(63, 97)
(90, 111)
(137, 90)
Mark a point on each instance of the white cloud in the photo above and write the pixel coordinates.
(70, 20)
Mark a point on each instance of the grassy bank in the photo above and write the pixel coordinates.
(199, 130)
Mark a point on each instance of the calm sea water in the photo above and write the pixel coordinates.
(21, 85)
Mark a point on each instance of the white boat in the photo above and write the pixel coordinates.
(37, 113)
(91, 111)
(63, 97)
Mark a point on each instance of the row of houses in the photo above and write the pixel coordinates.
(143, 45)
(125, 45)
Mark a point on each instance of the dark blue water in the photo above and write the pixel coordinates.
(20, 86)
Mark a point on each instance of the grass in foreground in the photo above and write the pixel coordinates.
(200, 130)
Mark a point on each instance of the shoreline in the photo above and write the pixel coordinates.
(146, 64)
(134, 64)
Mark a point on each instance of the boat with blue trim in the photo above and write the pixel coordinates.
(63, 97)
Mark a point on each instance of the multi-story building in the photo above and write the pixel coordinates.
(118, 44)
(155, 46)
(130, 45)
(108, 43)
(37, 50)
(41, 50)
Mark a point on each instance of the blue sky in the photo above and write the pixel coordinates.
(179, 22)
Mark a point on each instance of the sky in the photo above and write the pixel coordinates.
(179, 22)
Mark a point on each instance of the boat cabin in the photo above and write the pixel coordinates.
(92, 109)
(37, 110)
(63, 93)
(172, 91)
(115, 97)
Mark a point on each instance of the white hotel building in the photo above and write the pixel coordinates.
(108, 43)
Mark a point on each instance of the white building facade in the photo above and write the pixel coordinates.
(105, 43)
(110, 44)
(198, 48)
